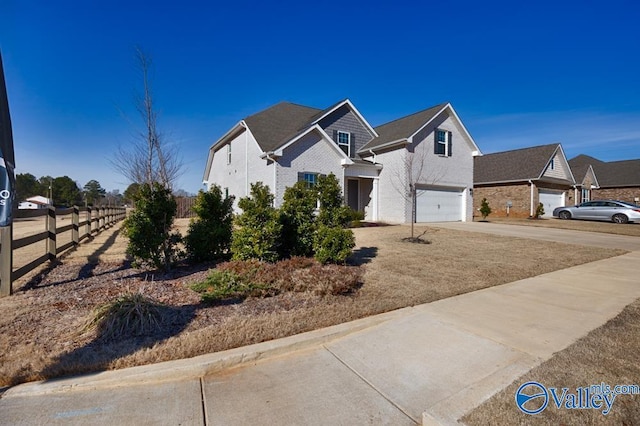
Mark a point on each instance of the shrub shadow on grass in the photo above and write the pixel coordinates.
(84, 272)
(99, 354)
(362, 256)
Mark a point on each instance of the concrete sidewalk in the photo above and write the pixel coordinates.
(427, 364)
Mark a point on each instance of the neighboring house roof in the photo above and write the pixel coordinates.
(401, 130)
(39, 199)
(514, 166)
(608, 174)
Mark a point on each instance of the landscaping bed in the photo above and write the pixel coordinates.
(44, 325)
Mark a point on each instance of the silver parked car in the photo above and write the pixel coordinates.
(609, 210)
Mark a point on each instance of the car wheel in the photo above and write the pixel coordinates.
(620, 218)
(564, 215)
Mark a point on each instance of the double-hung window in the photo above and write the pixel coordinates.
(310, 178)
(443, 143)
(344, 142)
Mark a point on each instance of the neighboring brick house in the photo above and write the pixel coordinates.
(614, 180)
(514, 182)
(287, 143)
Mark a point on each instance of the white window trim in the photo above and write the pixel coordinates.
(445, 142)
(348, 144)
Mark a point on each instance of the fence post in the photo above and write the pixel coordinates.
(6, 260)
(51, 228)
(88, 225)
(75, 219)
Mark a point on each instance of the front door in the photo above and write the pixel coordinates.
(353, 194)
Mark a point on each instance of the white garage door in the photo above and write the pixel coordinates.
(436, 205)
(550, 200)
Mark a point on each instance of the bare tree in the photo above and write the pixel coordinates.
(149, 158)
(412, 170)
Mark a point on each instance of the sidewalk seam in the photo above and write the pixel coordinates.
(203, 403)
(371, 385)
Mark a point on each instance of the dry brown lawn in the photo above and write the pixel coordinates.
(632, 229)
(42, 327)
(607, 355)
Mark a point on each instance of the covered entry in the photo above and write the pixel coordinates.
(439, 205)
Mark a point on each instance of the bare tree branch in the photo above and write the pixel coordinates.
(149, 158)
(411, 171)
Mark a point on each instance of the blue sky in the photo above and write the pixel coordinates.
(519, 74)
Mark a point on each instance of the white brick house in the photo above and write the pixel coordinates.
(287, 143)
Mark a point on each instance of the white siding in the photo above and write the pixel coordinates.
(560, 168)
(393, 190)
(310, 154)
(455, 171)
(246, 167)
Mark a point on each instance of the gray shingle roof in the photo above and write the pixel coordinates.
(280, 123)
(516, 165)
(402, 128)
(608, 174)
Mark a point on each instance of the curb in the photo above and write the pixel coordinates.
(202, 365)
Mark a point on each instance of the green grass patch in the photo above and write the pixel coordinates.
(224, 285)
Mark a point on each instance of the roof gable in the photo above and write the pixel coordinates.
(402, 128)
(608, 174)
(516, 165)
(400, 131)
(278, 124)
(333, 108)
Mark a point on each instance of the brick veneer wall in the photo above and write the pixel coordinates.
(497, 197)
(622, 194)
(518, 194)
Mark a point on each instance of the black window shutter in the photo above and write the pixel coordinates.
(450, 144)
(435, 141)
(352, 143)
(335, 136)
(300, 176)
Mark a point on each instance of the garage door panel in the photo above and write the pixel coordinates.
(435, 205)
(550, 200)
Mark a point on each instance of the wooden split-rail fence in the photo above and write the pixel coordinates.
(95, 220)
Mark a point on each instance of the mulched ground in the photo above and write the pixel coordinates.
(49, 315)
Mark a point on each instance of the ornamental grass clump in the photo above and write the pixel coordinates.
(129, 315)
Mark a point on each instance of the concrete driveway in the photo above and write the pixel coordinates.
(568, 236)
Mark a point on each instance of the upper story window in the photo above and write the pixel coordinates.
(443, 143)
(553, 164)
(228, 153)
(344, 142)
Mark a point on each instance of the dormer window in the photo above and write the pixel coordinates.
(344, 142)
